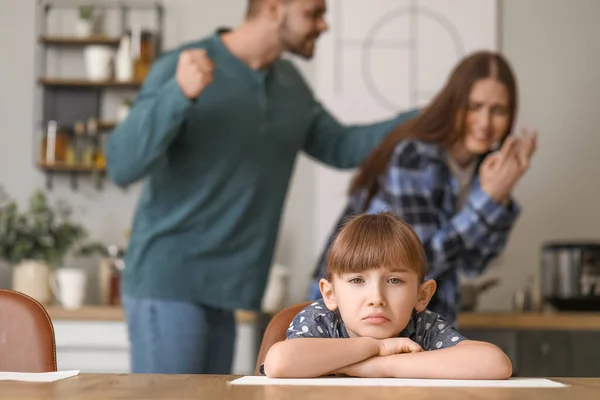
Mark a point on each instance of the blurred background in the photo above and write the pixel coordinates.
(47, 60)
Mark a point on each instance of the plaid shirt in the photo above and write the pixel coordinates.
(420, 188)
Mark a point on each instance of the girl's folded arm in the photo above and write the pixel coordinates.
(314, 357)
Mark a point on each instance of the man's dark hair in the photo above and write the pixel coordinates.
(254, 7)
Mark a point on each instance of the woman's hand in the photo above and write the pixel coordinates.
(500, 171)
(527, 144)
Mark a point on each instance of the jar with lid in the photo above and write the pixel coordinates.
(55, 144)
(143, 51)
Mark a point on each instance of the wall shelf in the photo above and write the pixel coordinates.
(103, 125)
(73, 171)
(61, 167)
(73, 41)
(72, 100)
(83, 83)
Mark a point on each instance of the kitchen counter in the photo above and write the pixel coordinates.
(488, 320)
(115, 313)
(581, 321)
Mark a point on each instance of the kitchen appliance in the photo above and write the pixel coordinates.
(570, 275)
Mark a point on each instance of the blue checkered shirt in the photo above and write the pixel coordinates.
(420, 188)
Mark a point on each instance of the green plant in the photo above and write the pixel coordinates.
(86, 12)
(127, 102)
(41, 233)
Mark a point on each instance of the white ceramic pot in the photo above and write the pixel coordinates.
(31, 277)
(69, 287)
(274, 297)
(98, 62)
(83, 28)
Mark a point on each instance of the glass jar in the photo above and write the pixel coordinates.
(143, 51)
(55, 144)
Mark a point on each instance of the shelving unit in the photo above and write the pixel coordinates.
(74, 41)
(75, 83)
(67, 100)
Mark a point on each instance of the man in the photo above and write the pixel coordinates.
(215, 131)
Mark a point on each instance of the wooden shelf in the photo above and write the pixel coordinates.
(81, 83)
(103, 125)
(72, 41)
(106, 125)
(59, 167)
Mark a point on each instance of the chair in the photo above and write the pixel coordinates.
(275, 331)
(26, 335)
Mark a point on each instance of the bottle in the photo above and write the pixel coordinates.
(143, 51)
(115, 254)
(54, 144)
(79, 142)
(123, 61)
(89, 153)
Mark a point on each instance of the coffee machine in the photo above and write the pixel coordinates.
(570, 275)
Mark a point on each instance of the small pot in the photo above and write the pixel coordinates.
(31, 277)
(83, 28)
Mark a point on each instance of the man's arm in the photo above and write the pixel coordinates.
(346, 146)
(151, 126)
(467, 360)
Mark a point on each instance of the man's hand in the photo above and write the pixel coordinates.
(396, 345)
(194, 72)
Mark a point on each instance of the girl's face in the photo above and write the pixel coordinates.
(377, 303)
(487, 116)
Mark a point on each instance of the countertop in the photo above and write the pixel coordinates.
(493, 320)
(115, 313)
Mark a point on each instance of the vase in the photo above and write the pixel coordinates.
(274, 297)
(83, 28)
(31, 277)
(98, 62)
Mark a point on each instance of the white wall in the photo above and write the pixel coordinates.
(552, 44)
(554, 49)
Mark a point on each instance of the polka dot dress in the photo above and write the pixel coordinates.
(427, 328)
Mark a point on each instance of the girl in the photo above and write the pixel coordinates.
(373, 321)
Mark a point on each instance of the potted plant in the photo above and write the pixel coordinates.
(35, 241)
(85, 22)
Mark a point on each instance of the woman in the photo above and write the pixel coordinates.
(442, 174)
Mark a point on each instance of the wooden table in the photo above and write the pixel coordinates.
(181, 387)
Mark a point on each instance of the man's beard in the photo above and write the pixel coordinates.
(295, 45)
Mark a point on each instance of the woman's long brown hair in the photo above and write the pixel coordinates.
(443, 121)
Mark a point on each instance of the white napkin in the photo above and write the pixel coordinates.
(36, 376)
(343, 381)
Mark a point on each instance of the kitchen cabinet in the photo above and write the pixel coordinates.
(586, 354)
(102, 346)
(545, 352)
